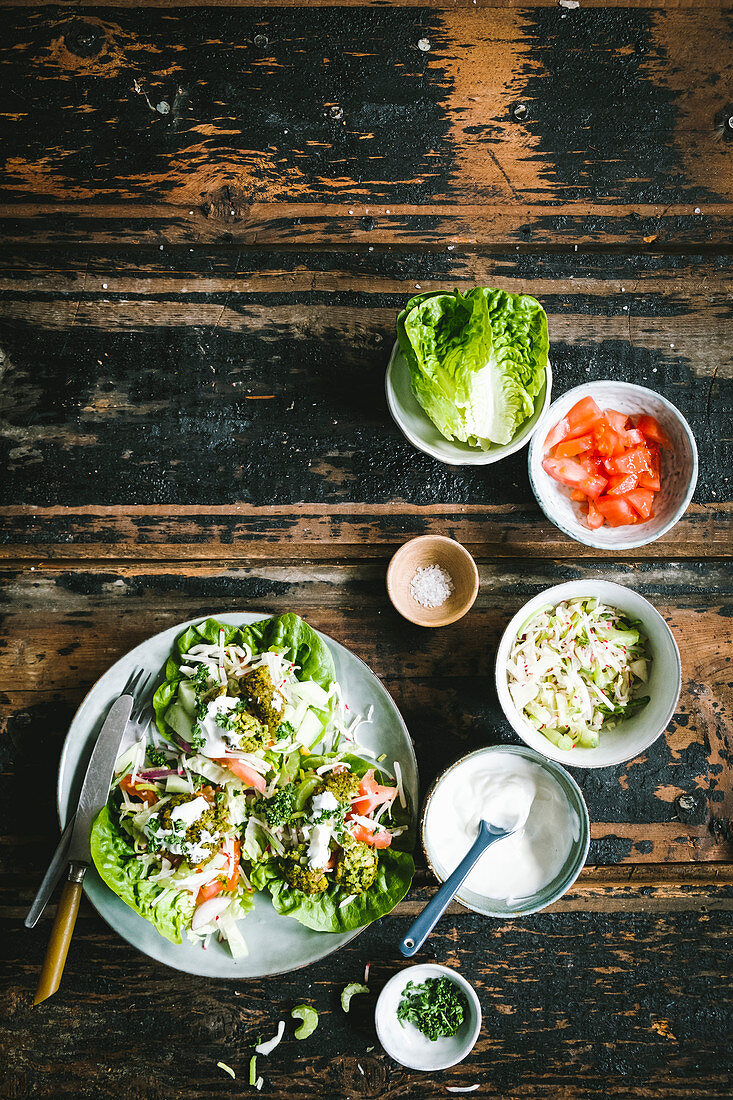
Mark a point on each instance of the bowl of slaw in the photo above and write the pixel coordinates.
(631, 735)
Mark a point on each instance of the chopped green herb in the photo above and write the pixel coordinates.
(309, 1016)
(350, 991)
(285, 729)
(436, 1008)
(227, 1069)
(253, 1069)
(279, 809)
(200, 678)
(157, 758)
(196, 738)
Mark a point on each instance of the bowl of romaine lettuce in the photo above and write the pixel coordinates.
(469, 377)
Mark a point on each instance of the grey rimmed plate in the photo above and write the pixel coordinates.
(276, 944)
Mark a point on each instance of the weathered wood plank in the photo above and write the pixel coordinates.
(291, 533)
(632, 1014)
(63, 628)
(124, 367)
(232, 129)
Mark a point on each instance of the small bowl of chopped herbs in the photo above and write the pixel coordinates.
(428, 1017)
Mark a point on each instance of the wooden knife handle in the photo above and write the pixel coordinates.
(61, 933)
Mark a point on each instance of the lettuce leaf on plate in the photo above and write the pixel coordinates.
(125, 875)
(289, 634)
(324, 912)
(477, 361)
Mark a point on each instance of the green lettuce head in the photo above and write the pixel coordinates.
(477, 361)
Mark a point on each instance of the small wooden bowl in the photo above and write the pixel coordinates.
(450, 556)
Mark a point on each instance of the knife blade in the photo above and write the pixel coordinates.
(94, 791)
(56, 868)
(95, 788)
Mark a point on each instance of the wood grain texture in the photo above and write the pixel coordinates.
(629, 1015)
(281, 125)
(117, 368)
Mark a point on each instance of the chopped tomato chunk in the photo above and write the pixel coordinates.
(595, 519)
(570, 447)
(619, 484)
(578, 421)
(618, 421)
(616, 511)
(610, 462)
(134, 791)
(571, 473)
(371, 795)
(232, 850)
(641, 500)
(248, 775)
(377, 838)
(652, 430)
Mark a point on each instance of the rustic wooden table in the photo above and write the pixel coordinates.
(212, 216)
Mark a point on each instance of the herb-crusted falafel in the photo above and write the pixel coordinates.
(296, 872)
(356, 868)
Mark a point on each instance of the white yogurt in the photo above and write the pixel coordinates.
(508, 791)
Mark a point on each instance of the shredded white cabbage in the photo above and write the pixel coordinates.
(574, 668)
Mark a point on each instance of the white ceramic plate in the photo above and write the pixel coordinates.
(416, 425)
(276, 944)
(629, 738)
(678, 467)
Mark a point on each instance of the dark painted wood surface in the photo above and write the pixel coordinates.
(212, 216)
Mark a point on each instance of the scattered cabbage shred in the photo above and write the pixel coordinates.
(576, 667)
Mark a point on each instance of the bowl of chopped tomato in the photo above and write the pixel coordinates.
(613, 465)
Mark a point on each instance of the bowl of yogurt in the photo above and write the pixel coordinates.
(539, 861)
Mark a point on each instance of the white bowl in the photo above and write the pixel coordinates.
(405, 1043)
(433, 817)
(678, 467)
(631, 737)
(416, 425)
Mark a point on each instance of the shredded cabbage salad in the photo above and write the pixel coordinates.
(201, 816)
(576, 667)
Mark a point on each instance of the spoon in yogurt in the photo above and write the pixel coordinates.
(508, 819)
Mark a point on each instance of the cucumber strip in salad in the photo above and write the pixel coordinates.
(253, 780)
(577, 667)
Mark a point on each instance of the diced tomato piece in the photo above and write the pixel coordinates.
(578, 421)
(618, 421)
(578, 495)
(637, 461)
(652, 480)
(619, 484)
(641, 500)
(371, 795)
(595, 519)
(570, 447)
(633, 438)
(616, 511)
(570, 472)
(232, 850)
(652, 430)
(592, 464)
(132, 789)
(248, 775)
(379, 838)
(607, 441)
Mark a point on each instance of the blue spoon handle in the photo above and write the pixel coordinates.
(435, 908)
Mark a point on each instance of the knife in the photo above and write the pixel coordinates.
(94, 792)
